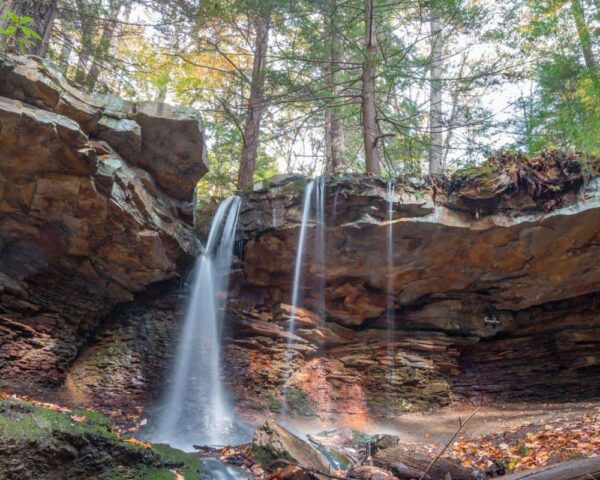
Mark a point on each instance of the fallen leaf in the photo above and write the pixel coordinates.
(135, 441)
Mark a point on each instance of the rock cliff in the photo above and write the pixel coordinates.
(95, 206)
(492, 289)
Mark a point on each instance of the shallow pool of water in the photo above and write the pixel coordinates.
(217, 470)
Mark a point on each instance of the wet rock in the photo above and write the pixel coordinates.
(173, 146)
(124, 135)
(273, 442)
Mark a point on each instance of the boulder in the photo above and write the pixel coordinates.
(273, 442)
(173, 148)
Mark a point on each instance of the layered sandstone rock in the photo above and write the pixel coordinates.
(93, 208)
(492, 290)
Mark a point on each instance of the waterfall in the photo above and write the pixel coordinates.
(306, 204)
(196, 410)
(390, 278)
(319, 246)
(314, 188)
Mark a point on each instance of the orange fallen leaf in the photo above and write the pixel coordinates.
(78, 418)
(135, 441)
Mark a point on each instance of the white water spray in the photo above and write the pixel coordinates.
(390, 280)
(196, 410)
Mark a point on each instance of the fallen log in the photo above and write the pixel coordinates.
(586, 469)
(410, 465)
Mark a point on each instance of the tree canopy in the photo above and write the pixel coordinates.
(383, 86)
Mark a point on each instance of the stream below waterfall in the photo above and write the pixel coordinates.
(217, 470)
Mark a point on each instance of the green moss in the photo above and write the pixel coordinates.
(190, 464)
(299, 402)
(472, 172)
(262, 455)
(23, 422)
(297, 186)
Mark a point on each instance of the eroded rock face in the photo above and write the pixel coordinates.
(166, 141)
(86, 220)
(492, 291)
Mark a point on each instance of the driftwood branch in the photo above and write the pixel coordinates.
(450, 442)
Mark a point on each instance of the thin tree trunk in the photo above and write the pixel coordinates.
(5, 7)
(369, 109)
(103, 46)
(86, 43)
(453, 111)
(43, 13)
(436, 124)
(329, 167)
(65, 50)
(335, 138)
(255, 103)
(584, 35)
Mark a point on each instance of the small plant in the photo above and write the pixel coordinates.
(17, 34)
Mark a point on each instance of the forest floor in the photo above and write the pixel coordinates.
(499, 438)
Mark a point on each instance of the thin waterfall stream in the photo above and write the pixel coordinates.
(390, 280)
(316, 188)
(196, 409)
(306, 203)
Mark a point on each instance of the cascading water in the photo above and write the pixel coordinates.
(196, 410)
(306, 204)
(390, 280)
(315, 187)
(319, 246)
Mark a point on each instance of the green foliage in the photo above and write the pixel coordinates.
(562, 110)
(18, 34)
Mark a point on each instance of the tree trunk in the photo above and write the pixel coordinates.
(335, 138)
(65, 51)
(436, 124)
(103, 46)
(369, 108)
(407, 465)
(584, 35)
(43, 13)
(255, 103)
(5, 7)
(86, 43)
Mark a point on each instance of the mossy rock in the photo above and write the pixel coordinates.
(43, 444)
(299, 403)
